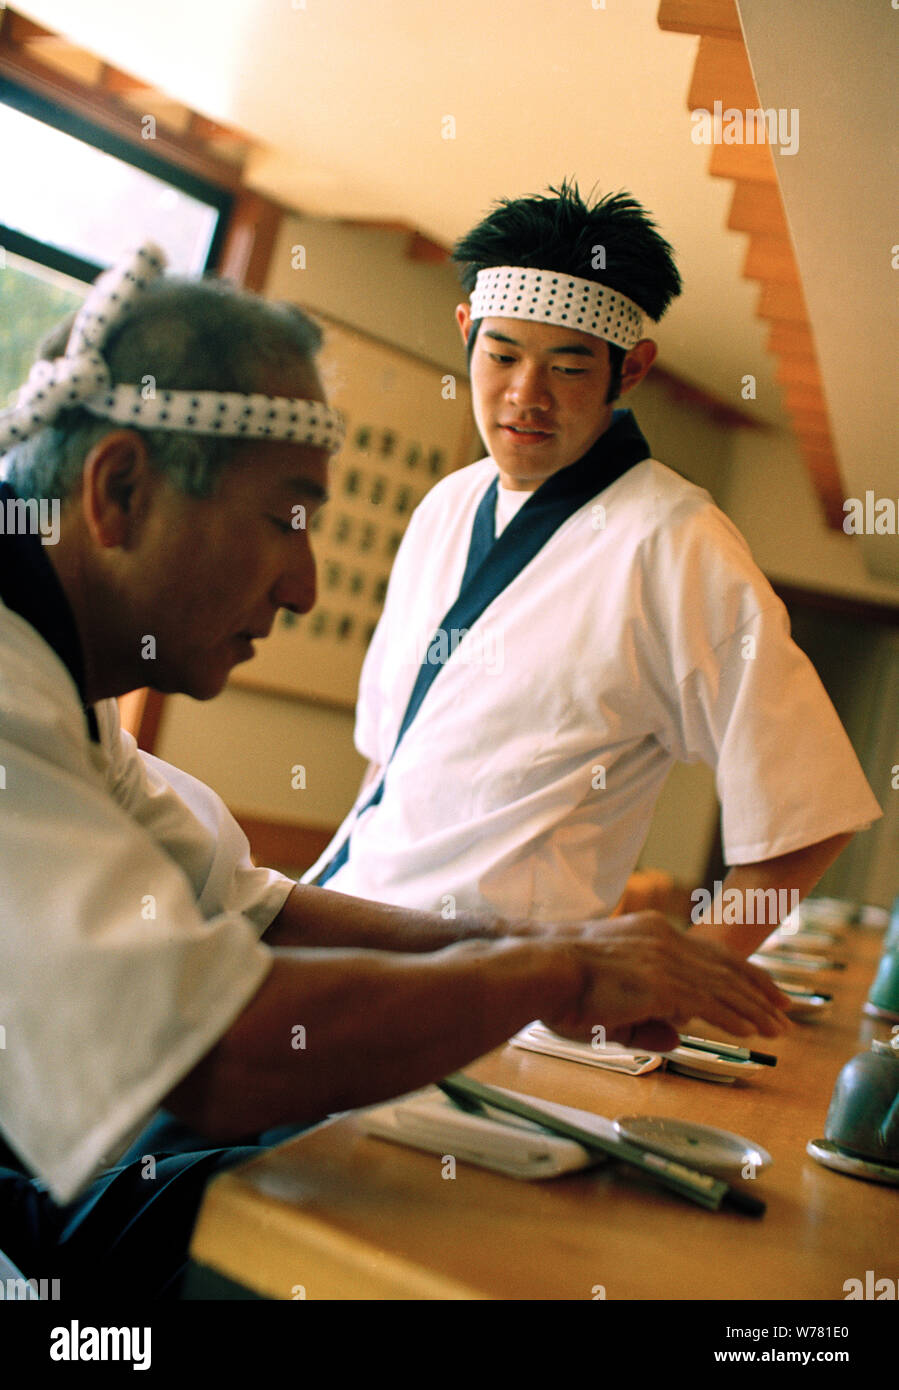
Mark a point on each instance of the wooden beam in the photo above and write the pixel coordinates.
(825, 475)
(770, 258)
(791, 338)
(205, 129)
(822, 455)
(18, 30)
(106, 110)
(753, 163)
(114, 80)
(757, 207)
(167, 112)
(716, 18)
(65, 57)
(250, 240)
(798, 371)
(420, 248)
(810, 424)
(722, 73)
(782, 302)
(805, 398)
(684, 392)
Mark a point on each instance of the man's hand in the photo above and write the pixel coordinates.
(642, 981)
(379, 1023)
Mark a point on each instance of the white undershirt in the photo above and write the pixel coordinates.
(507, 504)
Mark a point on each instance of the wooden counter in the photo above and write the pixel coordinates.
(334, 1214)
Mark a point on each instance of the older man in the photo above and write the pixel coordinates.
(142, 956)
(626, 624)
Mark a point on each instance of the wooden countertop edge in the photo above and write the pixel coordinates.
(235, 1223)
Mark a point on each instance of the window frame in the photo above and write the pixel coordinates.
(69, 122)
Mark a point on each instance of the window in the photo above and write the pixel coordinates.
(32, 299)
(73, 197)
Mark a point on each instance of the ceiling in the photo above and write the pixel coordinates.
(348, 103)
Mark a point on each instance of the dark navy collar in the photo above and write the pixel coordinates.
(613, 453)
(30, 587)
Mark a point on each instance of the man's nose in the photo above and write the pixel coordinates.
(528, 388)
(296, 588)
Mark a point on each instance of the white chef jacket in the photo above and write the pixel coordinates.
(641, 634)
(129, 921)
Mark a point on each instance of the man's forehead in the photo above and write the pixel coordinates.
(276, 470)
(542, 337)
(300, 468)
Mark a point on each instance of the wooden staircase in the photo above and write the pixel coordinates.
(723, 73)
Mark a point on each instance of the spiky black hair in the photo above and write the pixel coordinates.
(559, 231)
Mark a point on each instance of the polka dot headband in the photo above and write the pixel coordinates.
(548, 296)
(82, 378)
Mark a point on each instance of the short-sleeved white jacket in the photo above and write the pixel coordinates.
(130, 917)
(642, 633)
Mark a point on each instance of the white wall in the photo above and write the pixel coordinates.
(770, 497)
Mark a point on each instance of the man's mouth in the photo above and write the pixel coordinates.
(528, 434)
(246, 640)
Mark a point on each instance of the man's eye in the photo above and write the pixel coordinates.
(572, 371)
(499, 357)
(284, 526)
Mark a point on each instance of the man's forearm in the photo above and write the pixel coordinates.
(333, 1029)
(741, 919)
(318, 917)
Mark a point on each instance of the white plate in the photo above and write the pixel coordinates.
(827, 1153)
(707, 1066)
(780, 963)
(700, 1146)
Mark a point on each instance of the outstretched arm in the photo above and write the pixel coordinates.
(332, 1029)
(319, 917)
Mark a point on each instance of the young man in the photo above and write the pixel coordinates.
(617, 622)
(143, 959)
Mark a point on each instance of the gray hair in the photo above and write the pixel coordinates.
(186, 335)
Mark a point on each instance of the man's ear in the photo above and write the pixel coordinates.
(637, 363)
(463, 319)
(115, 487)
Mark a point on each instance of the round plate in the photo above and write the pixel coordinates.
(875, 1011)
(700, 1146)
(832, 1157)
(803, 1003)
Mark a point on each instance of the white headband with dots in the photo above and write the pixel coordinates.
(82, 378)
(548, 296)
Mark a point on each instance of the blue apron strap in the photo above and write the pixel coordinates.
(493, 564)
(483, 532)
(483, 535)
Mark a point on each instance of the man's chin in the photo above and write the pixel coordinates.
(204, 685)
(208, 687)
